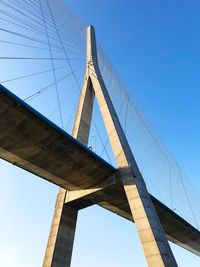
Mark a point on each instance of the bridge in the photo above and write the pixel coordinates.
(34, 143)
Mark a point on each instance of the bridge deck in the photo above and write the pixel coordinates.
(32, 142)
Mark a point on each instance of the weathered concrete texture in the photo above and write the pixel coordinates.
(30, 141)
(84, 113)
(33, 143)
(114, 199)
(176, 229)
(152, 236)
(156, 249)
(61, 238)
(56, 222)
(60, 244)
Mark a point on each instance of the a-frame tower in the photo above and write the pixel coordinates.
(60, 244)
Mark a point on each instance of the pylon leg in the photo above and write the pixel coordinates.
(61, 238)
(155, 245)
(154, 241)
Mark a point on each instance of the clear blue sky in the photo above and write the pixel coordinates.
(155, 46)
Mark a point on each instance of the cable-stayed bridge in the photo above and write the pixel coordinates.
(46, 57)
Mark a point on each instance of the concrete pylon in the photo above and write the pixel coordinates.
(155, 245)
(61, 238)
(151, 233)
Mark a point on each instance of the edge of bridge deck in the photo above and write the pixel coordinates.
(188, 237)
(19, 101)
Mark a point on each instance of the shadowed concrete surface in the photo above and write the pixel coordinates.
(30, 141)
(61, 238)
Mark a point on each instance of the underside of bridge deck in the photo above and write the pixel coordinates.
(30, 141)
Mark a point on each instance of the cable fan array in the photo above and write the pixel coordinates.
(164, 177)
(42, 56)
(42, 60)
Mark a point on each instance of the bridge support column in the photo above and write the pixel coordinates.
(155, 246)
(153, 239)
(61, 238)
